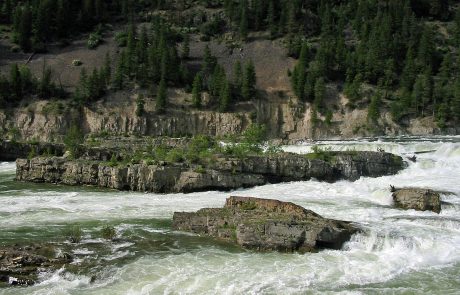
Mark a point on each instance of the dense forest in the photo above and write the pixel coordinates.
(399, 55)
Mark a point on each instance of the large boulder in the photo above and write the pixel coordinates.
(19, 265)
(265, 225)
(418, 199)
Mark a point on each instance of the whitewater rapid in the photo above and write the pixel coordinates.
(397, 252)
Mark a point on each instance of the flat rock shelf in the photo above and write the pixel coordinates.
(224, 173)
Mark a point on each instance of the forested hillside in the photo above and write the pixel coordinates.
(399, 56)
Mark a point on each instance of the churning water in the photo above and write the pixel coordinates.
(399, 252)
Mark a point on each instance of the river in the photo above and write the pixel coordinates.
(399, 252)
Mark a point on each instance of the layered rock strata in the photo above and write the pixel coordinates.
(223, 174)
(266, 225)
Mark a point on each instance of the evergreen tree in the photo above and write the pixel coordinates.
(24, 30)
(244, 22)
(457, 28)
(196, 91)
(271, 19)
(107, 69)
(140, 101)
(225, 97)
(119, 78)
(238, 76)
(299, 75)
(15, 82)
(455, 108)
(373, 111)
(162, 97)
(46, 87)
(320, 92)
(248, 87)
(186, 47)
(209, 60)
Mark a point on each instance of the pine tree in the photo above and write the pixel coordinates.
(244, 22)
(225, 97)
(6, 11)
(455, 108)
(238, 77)
(196, 91)
(186, 47)
(410, 71)
(374, 108)
(15, 82)
(118, 79)
(299, 75)
(457, 28)
(271, 19)
(45, 87)
(140, 102)
(162, 97)
(107, 69)
(63, 18)
(320, 91)
(426, 48)
(209, 61)
(248, 87)
(24, 27)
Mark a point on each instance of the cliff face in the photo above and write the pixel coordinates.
(285, 120)
(223, 174)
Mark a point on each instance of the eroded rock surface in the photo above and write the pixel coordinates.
(265, 225)
(418, 199)
(19, 265)
(223, 174)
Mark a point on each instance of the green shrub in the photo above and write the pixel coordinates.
(175, 156)
(76, 63)
(321, 154)
(108, 232)
(32, 154)
(248, 206)
(94, 40)
(113, 161)
(121, 38)
(74, 234)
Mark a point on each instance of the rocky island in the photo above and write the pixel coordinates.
(264, 225)
(217, 170)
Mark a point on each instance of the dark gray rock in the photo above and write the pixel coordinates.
(20, 265)
(417, 199)
(266, 225)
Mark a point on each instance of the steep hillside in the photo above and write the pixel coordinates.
(305, 69)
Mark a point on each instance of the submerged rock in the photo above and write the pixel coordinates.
(266, 225)
(20, 265)
(417, 198)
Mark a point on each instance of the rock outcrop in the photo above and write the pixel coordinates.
(223, 174)
(20, 265)
(417, 199)
(266, 225)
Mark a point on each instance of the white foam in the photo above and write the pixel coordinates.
(395, 244)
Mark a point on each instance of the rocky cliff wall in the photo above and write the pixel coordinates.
(223, 174)
(285, 118)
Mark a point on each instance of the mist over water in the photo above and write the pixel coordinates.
(397, 252)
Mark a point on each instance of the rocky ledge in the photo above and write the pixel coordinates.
(223, 173)
(417, 198)
(266, 225)
(20, 265)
